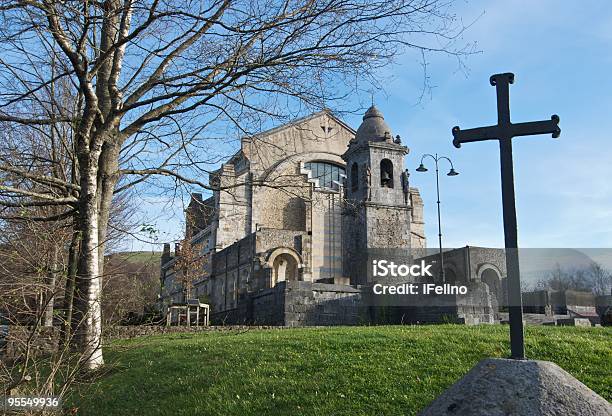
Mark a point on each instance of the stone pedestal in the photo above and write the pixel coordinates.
(503, 387)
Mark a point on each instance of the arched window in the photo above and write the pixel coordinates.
(355, 176)
(386, 173)
(325, 172)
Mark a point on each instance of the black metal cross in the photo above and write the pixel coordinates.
(504, 131)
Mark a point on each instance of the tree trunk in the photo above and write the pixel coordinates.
(73, 261)
(108, 168)
(51, 280)
(98, 179)
(88, 290)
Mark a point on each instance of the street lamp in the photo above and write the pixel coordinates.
(451, 172)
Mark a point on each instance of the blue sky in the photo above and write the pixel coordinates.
(561, 54)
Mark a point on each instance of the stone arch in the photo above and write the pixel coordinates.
(483, 267)
(491, 276)
(287, 163)
(450, 276)
(285, 264)
(386, 173)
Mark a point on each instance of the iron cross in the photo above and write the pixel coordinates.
(504, 131)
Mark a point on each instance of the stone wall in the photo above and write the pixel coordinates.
(46, 338)
(282, 203)
(128, 332)
(560, 301)
(232, 275)
(576, 298)
(232, 206)
(353, 242)
(477, 306)
(240, 269)
(322, 304)
(267, 307)
(537, 301)
(271, 238)
(294, 303)
(318, 133)
(418, 242)
(388, 226)
(15, 342)
(373, 232)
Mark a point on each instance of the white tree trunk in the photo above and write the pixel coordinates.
(90, 337)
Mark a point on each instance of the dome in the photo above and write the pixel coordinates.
(373, 127)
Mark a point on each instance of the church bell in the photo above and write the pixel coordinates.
(386, 178)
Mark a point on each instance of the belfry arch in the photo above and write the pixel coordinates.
(386, 173)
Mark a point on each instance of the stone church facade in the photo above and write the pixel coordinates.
(300, 213)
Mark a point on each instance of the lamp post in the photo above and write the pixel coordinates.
(452, 172)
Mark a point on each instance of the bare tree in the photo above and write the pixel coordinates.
(131, 287)
(156, 82)
(600, 278)
(36, 266)
(190, 264)
(593, 278)
(32, 267)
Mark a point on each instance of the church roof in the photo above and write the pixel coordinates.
(373, 128)
(302, 120)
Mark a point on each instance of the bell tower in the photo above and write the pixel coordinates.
(377, 210)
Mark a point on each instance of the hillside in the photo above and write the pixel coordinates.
(131, 286)
(321, 371)
(140, 257)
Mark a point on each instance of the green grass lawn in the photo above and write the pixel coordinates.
(386, 370)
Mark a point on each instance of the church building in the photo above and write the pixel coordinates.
(296, 217)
